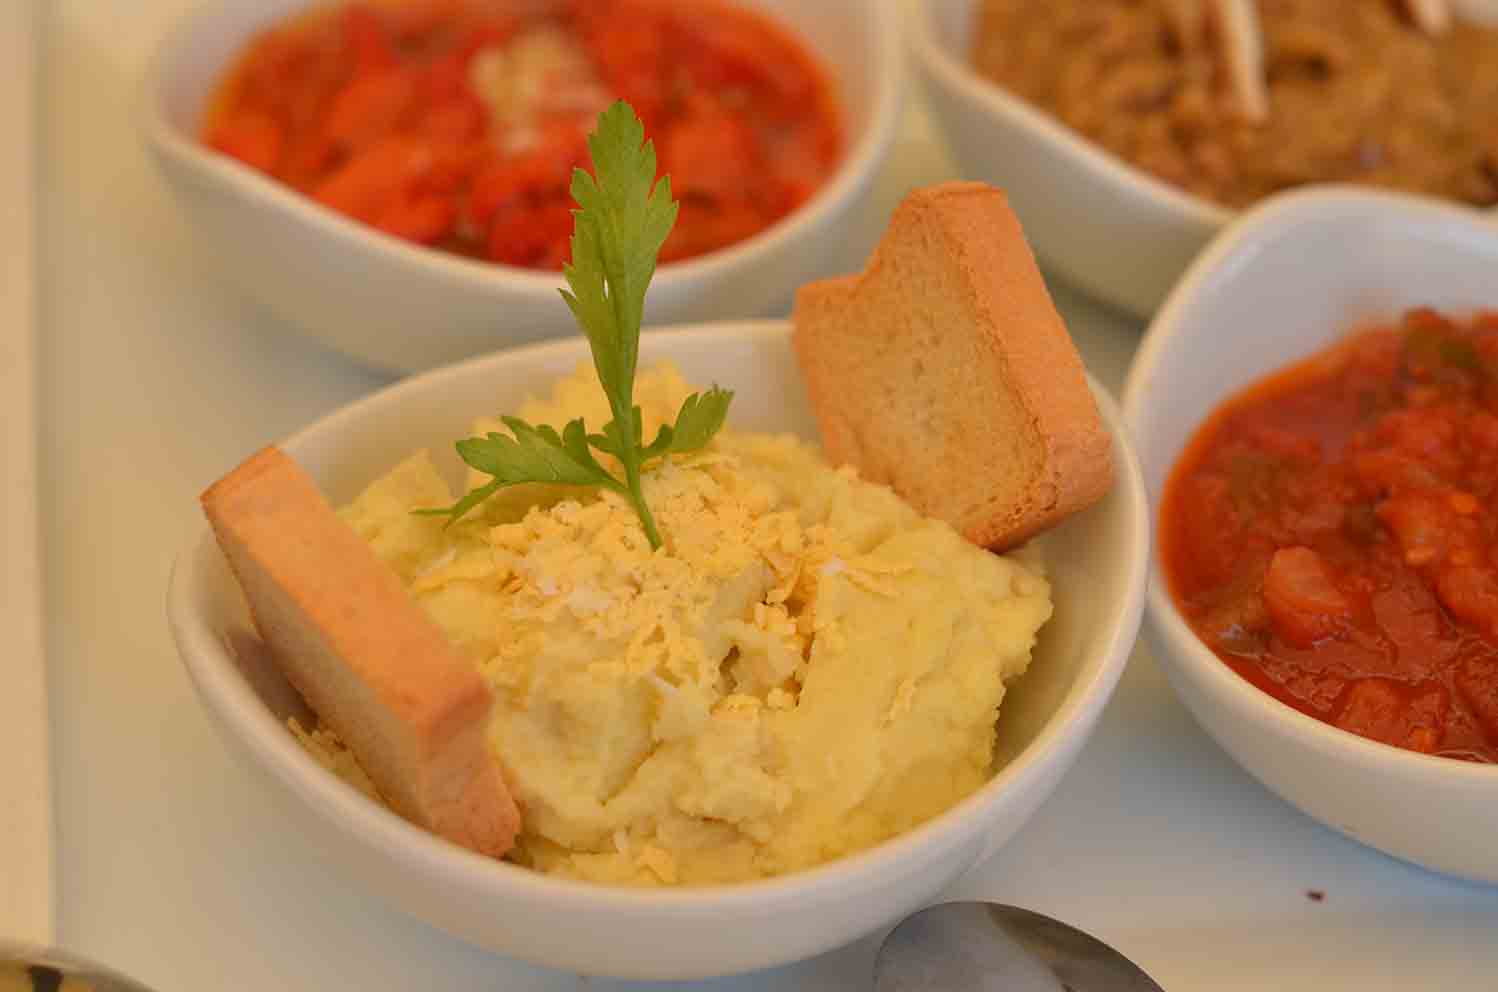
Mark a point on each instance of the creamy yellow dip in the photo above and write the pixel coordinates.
(806, 668)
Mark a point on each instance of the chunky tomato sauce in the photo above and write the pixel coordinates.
(457, 123)
(1332, 534)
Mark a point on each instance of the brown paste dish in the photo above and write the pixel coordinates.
(1357, 93)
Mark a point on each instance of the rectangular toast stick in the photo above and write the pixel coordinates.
(369, 662)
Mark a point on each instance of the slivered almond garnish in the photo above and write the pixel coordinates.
(1430, 16)
(1482, 12)
(1240, 41)
(1434, 17)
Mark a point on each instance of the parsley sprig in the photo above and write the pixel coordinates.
(623, 218)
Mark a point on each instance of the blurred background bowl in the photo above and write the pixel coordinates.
(399, 306)
(1285, 281)
(1095, 561)
(1110, 229)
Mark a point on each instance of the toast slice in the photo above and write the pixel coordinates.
(945, 372)
(371, 664)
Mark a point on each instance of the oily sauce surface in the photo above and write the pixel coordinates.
(1331, 534)
(457, 123)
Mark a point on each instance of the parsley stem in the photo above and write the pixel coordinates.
(629, 456)
(647, 520)
(623, 218)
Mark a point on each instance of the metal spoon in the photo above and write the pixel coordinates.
(973, 946)
(32, 968)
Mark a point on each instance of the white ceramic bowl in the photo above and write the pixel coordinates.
(1285, 281)
(1105, 225)
(1097, 562)
(403, 307)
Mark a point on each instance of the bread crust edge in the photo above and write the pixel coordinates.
(272, 525)
(1039, 363)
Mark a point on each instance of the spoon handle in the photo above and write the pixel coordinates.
(978, 946)
(1081, 961)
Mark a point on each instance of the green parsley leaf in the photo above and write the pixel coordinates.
(623, 218)
(701, 416)
(462, 506)
(534, 454)
(617, 235)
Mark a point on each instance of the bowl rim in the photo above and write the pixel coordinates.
(860, 160)
(1267, 228)
(222, 687)
(956, 75)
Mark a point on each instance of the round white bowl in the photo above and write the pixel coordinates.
(1097, 565)
(1112, 229)
(1285, 281)
(404, 307)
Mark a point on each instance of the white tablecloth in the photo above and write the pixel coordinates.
(25, 814)
(153, 381)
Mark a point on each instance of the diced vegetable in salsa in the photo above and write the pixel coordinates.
(1332, 534)
(457, 123)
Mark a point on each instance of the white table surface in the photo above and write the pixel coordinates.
(170, 863)
(25, 816)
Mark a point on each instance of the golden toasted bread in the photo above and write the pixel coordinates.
(369, 662)
(944, 371)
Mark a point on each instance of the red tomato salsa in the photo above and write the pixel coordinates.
(457, 123)
(1331, 534)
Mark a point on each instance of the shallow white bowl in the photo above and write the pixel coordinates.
(1097, 564)
(1285, 281)
(1107, 226)
(400, 306)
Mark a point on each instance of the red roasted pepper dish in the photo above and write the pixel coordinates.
(1332, 534)
(457, 123)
